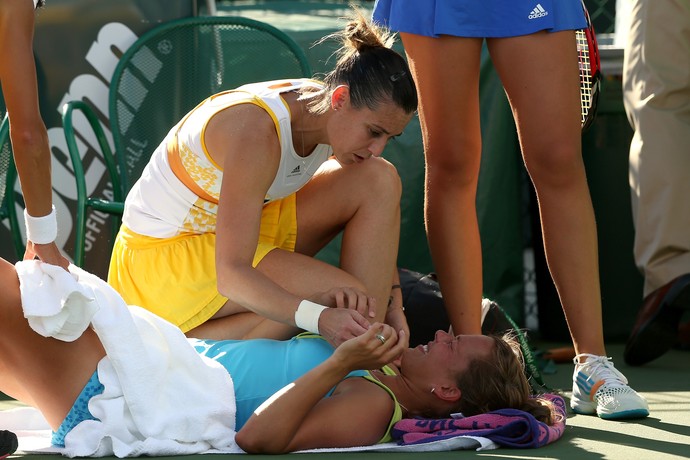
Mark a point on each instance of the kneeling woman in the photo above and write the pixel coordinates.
(220, 231)
(289, 395)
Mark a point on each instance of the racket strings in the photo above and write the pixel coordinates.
(584, 60)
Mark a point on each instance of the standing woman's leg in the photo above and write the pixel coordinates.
(446, 71)
(541, 78)
(52, 373)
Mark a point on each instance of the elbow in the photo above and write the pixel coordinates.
(252, 443)
(226, 277)
(29, 138)
(248, 443)
(221, 284)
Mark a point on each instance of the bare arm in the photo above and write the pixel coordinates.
(356, 414)
(243, 141)
(27, 130)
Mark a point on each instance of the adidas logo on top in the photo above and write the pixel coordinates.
(538, 12)
(295, 172)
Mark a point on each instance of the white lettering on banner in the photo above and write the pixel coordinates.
(93, 228)
(88, 87)
(101, 56)
(63, 182)
(135, 151)
(112, 41)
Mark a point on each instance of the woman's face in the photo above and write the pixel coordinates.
(356, 134)
(445, 357)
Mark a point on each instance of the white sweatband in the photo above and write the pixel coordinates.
(307, 316)
(41, 230)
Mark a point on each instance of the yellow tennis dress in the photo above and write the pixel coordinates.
(164, 254)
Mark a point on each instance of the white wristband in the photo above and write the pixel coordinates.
(307, 316)
(41, 230)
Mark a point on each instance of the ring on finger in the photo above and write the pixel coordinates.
(381, 338)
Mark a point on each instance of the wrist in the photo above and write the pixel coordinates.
(307, 316)
(41, 230)
(392, 308)
(338, 363)
(391, 299)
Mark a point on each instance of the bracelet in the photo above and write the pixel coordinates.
(390, 299)
(307, 316)
(41, 230)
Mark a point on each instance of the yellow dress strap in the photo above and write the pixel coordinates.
(173, 148)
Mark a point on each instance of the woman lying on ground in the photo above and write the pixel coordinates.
(286, 392)
(222, 228)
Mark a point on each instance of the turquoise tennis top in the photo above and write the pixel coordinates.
(261, 367)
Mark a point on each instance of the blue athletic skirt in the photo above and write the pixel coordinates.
(479, 18)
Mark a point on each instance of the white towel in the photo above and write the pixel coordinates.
(44, 308)
(34, 438)
(150, 371)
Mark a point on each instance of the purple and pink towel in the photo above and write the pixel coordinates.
(506, 427)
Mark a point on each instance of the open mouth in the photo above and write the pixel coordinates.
(359, 158)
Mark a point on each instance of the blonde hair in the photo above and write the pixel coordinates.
(369, 67)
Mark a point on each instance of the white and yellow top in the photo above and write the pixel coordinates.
(179, 189)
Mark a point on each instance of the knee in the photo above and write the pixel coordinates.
(557, 166)
(355, 283)
(455, 165)
(382, 180)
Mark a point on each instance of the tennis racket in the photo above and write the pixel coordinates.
(590, 71)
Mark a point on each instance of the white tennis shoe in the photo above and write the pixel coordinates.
(599, 388)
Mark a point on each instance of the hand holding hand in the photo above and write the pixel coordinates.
(375, 348)
(337, 325)
(350, 298)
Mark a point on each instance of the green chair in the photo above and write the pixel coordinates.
(163, 75)
(8, 180)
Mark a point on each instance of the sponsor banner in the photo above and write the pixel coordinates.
(77, 44)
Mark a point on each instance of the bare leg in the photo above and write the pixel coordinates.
(12, 387)
(540, 75)
(363, 200)
(242, 326)
(297, 273)
(452, 146)
(52, 373)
